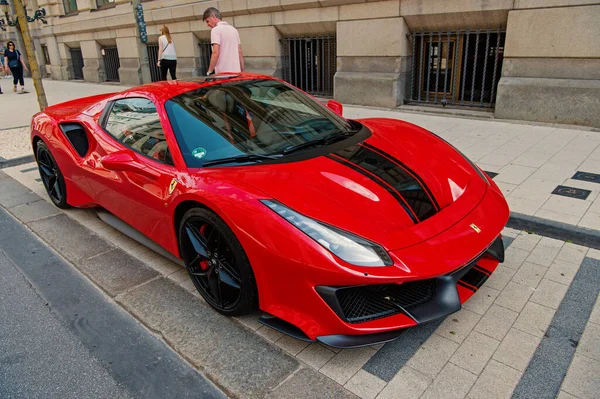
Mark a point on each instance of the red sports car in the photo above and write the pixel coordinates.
(341, 231)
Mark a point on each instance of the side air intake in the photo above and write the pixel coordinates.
(77, 136)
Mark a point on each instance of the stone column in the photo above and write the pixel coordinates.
(188, 54)
(373, 62)
(551, 67)
(66, 64)
(55, 58)
(130, 71)
(93, 63)
(262, 51)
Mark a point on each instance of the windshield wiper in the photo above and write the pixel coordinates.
(241, 159)
(332, 138)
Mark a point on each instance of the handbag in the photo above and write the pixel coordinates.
(14, 63)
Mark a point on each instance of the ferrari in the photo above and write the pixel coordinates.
(341, 231)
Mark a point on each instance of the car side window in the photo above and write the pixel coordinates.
(136, 124)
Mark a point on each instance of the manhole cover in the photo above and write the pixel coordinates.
(571, 192)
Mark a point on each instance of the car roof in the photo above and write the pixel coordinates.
(172, 88)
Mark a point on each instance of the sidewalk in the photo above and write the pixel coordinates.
(534, 165)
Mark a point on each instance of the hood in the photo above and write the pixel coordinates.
(399, 187)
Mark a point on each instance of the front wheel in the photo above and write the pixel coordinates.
(217, 263)
(51, 175)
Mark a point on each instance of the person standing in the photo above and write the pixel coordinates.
(14, 60)
(6, 74)
(167, 57)
(226, 45)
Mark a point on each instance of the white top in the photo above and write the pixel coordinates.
(228, 38)
(168, 48)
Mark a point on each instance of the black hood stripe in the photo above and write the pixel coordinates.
(379, 181)
(408, 170)
(394, 175)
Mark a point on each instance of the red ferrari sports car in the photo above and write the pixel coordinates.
(341, 231)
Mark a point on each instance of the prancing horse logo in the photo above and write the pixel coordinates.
(474, 227)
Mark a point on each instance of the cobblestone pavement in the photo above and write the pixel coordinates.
(531, 331)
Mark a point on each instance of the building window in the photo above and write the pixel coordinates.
(309, 63)
(105, 3)
(46, 54)
(70, 6)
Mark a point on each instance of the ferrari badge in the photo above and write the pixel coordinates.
(172, 186)
(474, 227)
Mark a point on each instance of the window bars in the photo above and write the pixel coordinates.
(152, 49)
(111, 63)
(456, 67)
(77, 60)
(205, 54)
(310, 63)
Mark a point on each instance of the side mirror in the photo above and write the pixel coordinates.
(126, 161)
(335, 106)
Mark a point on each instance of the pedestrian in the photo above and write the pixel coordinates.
(226, 45)
(14, 60)
(167, 57)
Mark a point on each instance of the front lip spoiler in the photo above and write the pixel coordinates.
(357, 341)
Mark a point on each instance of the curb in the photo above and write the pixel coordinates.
(560, 231)
(16, 161)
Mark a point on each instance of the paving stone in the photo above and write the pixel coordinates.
(514, 258)
(543, 255)
(269, 334)
(474, 353)
(250, 320)
(562, 272)
(481, 301)
(595, 315)
(516, 349)
(433, 355)
(407, 384)
(514, 174)
(526, 241)
(551, 242)
(312, 385)
(164, 266)
(496, 322)
(453, 382)
(34, 211)
(230, 354)
(590, 220)
(534, 319)
(514, 296)
(500, 278)
(564, 395)
(557, 216)
(13, 193)
(291, 345)
(572, 253)
(496, 381)
(509, 232)
(70, 238)
(566, 205)
(529, 274)
(316, 355)
(346, 363)
(365, 385)
(582, 378)
(179, 276)
(589, 344)
(524, 205)
(457, 326)
(549, 293)
(116, 272)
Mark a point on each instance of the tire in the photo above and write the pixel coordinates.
(52, 177)
(223, 261)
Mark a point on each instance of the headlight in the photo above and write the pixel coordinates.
(347, 246)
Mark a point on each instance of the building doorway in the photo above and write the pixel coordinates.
(77, 60)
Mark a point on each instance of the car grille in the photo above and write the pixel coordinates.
(371, 302)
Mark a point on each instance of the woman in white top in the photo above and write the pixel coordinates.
(167, 58)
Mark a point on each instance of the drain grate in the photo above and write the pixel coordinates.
(491, 174)
(586, 176)
(571, 192)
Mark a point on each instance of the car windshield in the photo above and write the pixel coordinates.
(249, 121)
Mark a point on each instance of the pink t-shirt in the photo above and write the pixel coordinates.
(228, 38)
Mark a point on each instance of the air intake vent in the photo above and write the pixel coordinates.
(77, 137)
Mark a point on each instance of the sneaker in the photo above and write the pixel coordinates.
(15, 89)
(23, 90)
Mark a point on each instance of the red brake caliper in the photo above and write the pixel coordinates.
(204, 263)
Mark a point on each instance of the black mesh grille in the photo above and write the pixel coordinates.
(371, 302)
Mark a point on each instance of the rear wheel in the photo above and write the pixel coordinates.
(217, 263)
(51, 175)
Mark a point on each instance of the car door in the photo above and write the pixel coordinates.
(133, 169)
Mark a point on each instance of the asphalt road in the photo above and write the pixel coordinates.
(62, 338)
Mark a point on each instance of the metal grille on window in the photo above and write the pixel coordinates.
(205, 54)
(456, 67)
(46, 54)
(77, 59)
(310, 63)
(111, 63)
(152, 59)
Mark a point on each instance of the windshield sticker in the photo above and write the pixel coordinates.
(199, 152)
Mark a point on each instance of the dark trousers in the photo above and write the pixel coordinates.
(168, 65)
(17, 73)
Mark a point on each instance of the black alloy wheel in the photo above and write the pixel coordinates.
(51, 175)
(217, 263)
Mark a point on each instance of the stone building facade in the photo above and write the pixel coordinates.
(533, 60)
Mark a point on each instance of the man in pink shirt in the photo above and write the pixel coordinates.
(226, 45)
